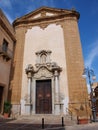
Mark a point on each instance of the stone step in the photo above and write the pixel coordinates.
(48, 119)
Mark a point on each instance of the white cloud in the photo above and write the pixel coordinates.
(93, 53)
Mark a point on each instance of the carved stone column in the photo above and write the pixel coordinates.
(57, 101)
(56, 70)
(56, 79)
(28, 105)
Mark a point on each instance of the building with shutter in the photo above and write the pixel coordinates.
(7, 43)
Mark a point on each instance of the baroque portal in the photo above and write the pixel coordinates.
(43, 86)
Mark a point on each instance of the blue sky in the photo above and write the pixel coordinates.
(88, 22)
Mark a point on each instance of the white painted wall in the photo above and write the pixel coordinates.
(51, 38)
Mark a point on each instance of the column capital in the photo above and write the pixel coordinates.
(29, 71)
(56, 70)
(56, 73)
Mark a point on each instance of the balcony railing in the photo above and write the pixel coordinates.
(8, 54)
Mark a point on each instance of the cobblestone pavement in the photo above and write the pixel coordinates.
(8, 124)
(90, 126)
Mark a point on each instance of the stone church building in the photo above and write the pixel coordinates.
(48, 63)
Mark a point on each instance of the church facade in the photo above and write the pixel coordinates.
(48, 63)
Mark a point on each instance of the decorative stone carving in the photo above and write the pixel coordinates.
(29, 69)
(43, 72)
(61, 96)
(45, 69)
(27, 98)
(43, 26)
(43, 57)
(43, 13)
(61, 23)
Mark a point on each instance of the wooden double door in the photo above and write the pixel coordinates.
(43, 97)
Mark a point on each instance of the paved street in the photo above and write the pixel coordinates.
(8, 124)
(91, 126)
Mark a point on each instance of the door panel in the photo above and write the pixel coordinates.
(43, 97)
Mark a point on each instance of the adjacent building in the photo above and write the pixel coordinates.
(7, 43)
(95, 95)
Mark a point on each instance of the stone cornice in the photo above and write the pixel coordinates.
(7, 26)
(44, 24)
(47, 18)
(7, 30)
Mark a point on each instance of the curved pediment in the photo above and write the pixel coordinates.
(43, 73)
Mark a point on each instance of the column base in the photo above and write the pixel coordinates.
(57, 109)
(28, 108)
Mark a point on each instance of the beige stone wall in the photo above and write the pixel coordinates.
(76, 84)
(17, 66)
(4, 76)
(7, 33)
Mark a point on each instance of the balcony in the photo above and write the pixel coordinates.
(8, 54)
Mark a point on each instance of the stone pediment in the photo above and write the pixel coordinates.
(43, 72)
(42, 13)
